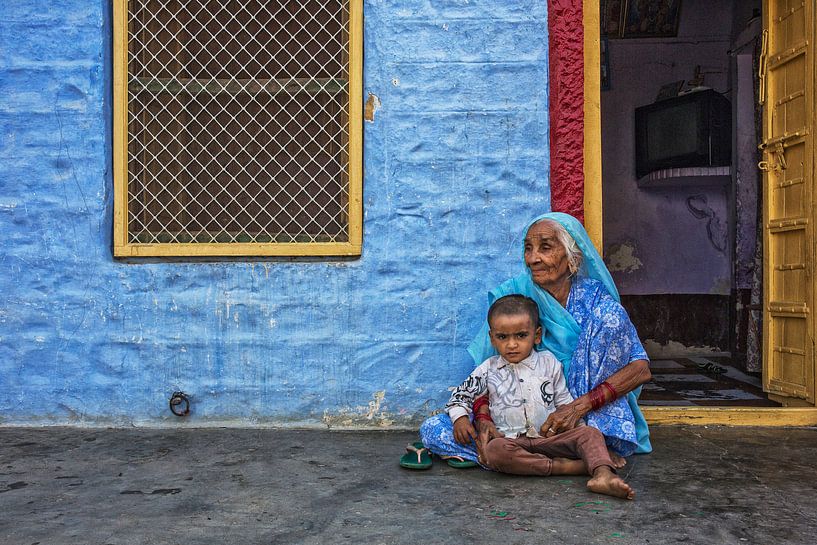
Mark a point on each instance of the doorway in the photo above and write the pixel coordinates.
(685, 242)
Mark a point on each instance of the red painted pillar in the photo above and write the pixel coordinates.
(566, 56)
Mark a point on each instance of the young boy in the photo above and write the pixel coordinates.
(524, 386)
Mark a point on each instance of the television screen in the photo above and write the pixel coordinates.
(673, 131)
(692, 130)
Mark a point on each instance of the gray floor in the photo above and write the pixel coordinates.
(80, 486)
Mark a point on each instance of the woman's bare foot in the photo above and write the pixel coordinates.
(618, 461)
(566, 466)
(604, 481)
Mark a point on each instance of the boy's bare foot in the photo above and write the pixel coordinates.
(604, 481)
(618, 461)
(566, 466)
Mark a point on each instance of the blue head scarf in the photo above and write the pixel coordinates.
(560, 332)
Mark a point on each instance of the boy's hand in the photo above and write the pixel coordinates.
(464, 431)
(487, 431)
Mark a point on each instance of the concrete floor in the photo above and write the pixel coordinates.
(220, 486)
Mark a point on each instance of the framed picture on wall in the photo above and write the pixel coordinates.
(651, 18)
(612, 18)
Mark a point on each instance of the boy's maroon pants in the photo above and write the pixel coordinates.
(534, 456)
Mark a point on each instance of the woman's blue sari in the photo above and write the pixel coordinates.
(593, 338)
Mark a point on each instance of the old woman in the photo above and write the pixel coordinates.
(585, 327)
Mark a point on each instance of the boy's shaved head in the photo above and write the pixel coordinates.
(513, 305)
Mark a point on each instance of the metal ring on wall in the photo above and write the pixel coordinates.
(177, 400)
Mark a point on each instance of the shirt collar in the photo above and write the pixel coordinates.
(530, 361)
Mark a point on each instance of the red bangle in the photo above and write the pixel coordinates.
(610, 389)
(596, 398)
(479, 402)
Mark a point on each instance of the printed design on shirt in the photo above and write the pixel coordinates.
(467, 391)
(504, 393)
(547, 395)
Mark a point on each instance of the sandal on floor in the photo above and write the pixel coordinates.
(416, 457)
(709, 367)
(459, 462)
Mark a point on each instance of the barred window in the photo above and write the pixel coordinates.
(237, 127)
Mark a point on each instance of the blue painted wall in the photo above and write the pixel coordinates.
(456, 161)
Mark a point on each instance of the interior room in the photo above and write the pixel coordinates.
(681, 192)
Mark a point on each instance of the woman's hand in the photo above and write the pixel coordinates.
(565, 418)
(464, 431)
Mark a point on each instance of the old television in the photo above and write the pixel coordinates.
(691, 130)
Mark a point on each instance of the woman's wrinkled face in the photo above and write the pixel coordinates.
(545, 256)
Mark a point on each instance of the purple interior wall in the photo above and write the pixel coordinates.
(655, 242)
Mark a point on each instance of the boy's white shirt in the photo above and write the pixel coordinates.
(521, 395)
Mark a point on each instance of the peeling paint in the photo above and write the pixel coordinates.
(621, 258)
(374, 405)
(372, 105)
(369, 415)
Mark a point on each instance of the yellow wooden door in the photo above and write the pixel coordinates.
(787, 93)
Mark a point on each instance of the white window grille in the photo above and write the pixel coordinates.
(237, 127)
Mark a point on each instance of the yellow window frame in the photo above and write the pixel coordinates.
(123, 248)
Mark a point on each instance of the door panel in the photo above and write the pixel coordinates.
(788, 192)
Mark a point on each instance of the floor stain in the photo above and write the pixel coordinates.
(15, 486)
(164, 491)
